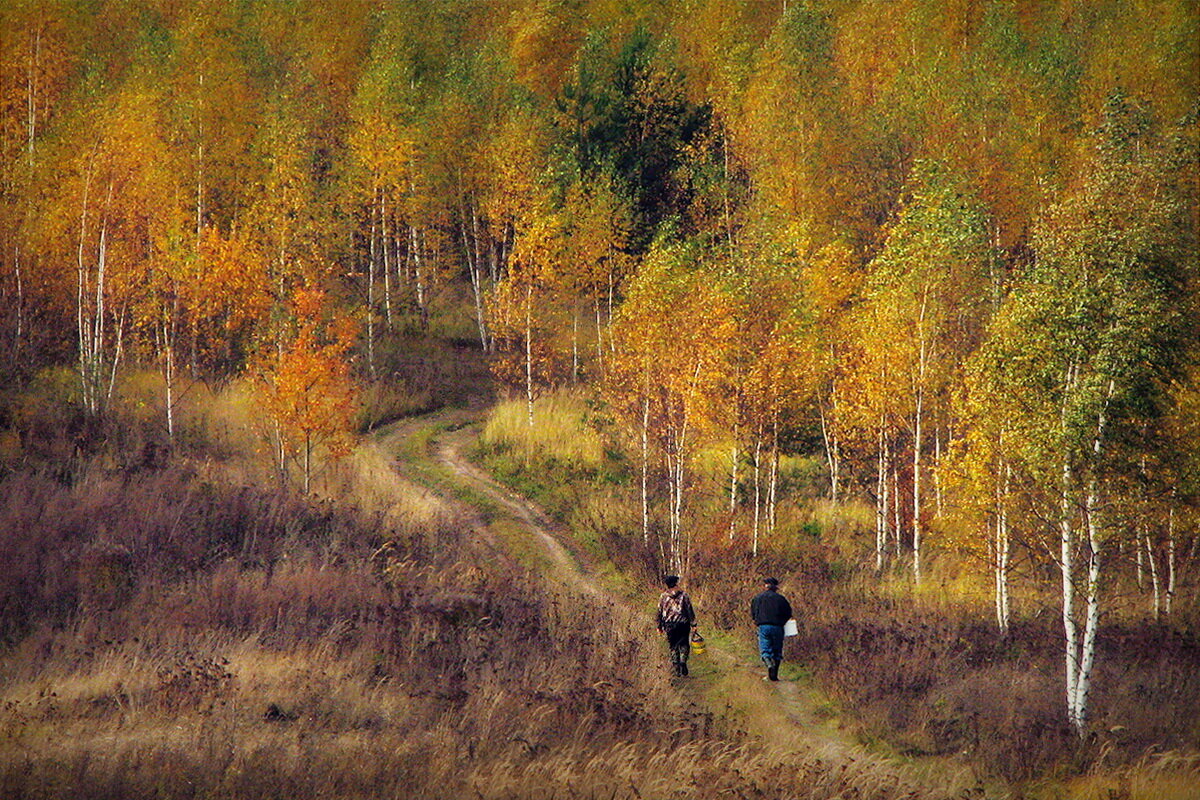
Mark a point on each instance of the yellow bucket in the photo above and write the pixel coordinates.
(697, 644)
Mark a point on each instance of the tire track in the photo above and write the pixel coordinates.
(782, 715)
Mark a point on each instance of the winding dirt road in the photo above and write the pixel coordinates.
(786, 716)
(448, 452)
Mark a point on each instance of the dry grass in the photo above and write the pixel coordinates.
(924, 667)
(382, 402)
(559, 432)
(187, 630)
(1158, 776)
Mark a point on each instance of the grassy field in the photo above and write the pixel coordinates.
(183, 625)
(924, 670)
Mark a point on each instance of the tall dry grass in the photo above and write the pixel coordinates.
(559, 431)
(924, 667)
(186, 627)
(330, 659)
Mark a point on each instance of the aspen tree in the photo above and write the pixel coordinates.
(925, 283)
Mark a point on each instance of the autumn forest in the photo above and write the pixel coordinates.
(896, 300)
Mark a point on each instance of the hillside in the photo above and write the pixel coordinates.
(366, 367)
(189, 633)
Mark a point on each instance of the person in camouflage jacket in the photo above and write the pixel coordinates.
(676, 619)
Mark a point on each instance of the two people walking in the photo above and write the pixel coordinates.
(770, 611)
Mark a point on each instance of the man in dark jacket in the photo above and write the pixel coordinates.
(675, 619)
(771, 611)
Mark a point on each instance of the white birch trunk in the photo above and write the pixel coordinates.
(733, 482)
(916, 484)
(91, 317)
(307, 463)
(20, 329)
(1002, 554)
(475, 270)
(1067, 568)
(612, 345)
(418, 272)
(881, 509)
(599, 338)
(480, 307)
(1170, 555)
(387, 268)
(1081, 655)
(529, 351)
(82, 292)
(645, 467)
(897, 530)
(98, 318)
(678, 479)
(1141, 565)
(681, 486)
(757, 493)
(1087, 652)
(669, 459)
(280, 451)
(118, 351)
(832, 456)
(170, 369)
(937, 472)
(1156, 594)
(169, 332)
(372, 254)
(919, 393)
(772, 486)
(676, 461)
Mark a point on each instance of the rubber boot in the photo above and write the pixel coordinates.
(773, 670)
(683, 668)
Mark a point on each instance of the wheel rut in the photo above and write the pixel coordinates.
(786, 716)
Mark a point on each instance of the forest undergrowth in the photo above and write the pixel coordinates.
(914, 672)
(184, 627)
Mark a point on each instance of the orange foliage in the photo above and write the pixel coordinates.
(306, 385)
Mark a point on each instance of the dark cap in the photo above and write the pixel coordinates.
(771, 581)
(670, 580)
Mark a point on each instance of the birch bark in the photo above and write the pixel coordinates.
(733, 481)
(1067, 568)
(529, 351)
(645, 466)
(1170, 555)
(881, 490)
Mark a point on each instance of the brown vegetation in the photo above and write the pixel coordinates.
(923, 673)
(942, 680)
(174, 632)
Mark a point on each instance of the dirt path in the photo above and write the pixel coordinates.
(448, 451)
(790, 716)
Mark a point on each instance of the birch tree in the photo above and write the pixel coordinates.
(675, 397)
(307, 388)
(1096, 330)
(926, 286)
